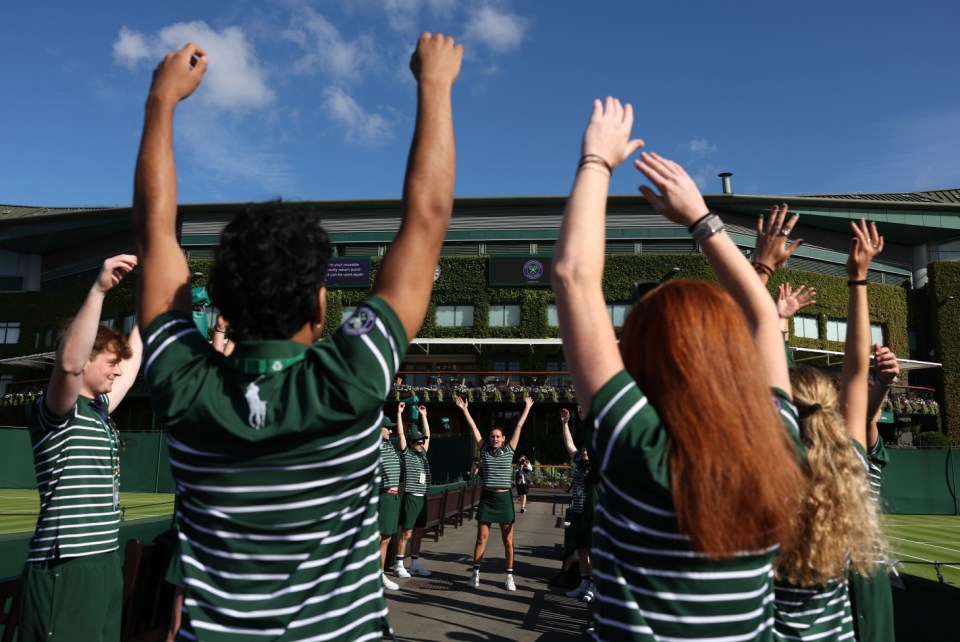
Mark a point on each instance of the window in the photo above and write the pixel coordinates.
(502, 316)
(129, 322)
(876, 333)
(348, 311)
(212, 314)
(107, 322)
(48, 338)
(5, 380)
(836, 330)
(557, 365)
(912, 341)
(449, 316)
(9, 331)
(552, 319)
(618, 312)
(805, 326)
(506, 364)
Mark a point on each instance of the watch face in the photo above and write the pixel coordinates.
(436, 274)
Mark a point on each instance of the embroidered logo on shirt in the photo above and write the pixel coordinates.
(360, 322)
(258, 407)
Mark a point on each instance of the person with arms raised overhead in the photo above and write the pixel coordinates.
(72, 585)
(691, 416)
(275, 449)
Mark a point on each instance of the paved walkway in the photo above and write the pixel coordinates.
(443, 607)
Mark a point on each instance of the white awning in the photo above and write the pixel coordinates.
(424, 344)
(835, 358)
(41, 360)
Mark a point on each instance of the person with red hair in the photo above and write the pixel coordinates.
(694, 434)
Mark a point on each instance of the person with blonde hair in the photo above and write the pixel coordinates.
(693, 427)
(838, 525)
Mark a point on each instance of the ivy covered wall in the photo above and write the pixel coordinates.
(463, 280)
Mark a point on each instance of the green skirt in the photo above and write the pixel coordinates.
(496, 508)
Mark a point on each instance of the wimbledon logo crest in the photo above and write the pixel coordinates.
(533, 270)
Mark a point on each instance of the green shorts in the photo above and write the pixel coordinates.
(76, 599)
(389, 513)
(580, 530)
(414, 511)
(496, 508)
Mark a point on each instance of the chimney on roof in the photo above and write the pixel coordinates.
(725, 180)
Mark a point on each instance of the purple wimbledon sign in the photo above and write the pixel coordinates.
(348, 273)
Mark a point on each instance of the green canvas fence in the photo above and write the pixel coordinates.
(921, 482)
(144, 465)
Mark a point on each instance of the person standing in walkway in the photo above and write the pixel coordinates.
(583, 499)
(275, 449)
(496, 502)
(523, 481)
(391, 468)
(72, 584)
(416, 486)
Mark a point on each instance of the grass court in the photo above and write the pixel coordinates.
(19, 508)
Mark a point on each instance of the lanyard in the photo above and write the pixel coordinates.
(113, 436)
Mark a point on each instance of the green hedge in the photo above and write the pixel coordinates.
(944, 291)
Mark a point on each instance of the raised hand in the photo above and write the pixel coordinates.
(179, 73)
(422, 409)
(885, 361)
(864, 246)
(401, 407)
(679, 199)
(461, 403)
(772, 234)
(528, 401)
(113, 271)
(607, 136)
(564, 416)
(790, 301)
(436, 59)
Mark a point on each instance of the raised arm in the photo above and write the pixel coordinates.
(515, 437)
(567, 437)
(771, 250)
(403, 438)
(76, 345)
(405, 279)
(589, 343)
(129, 368)
(680, 201)
(864, 246)
(887, 370)
(164, 277)
(425, 425)
(462, 404)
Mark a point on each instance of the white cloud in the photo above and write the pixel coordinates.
(359, 125)
(131, 48)
(325, 48)
(703, 175)
(234, 81)
(497, 30)
(215, 154)
(699, 147)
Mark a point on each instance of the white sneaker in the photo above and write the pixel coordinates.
(509, 584)
(400, 572)
(417, 569)
(474, 580)
(590, 594)
(389, 584)
(578, 592)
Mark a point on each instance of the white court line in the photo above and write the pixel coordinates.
(923, 559)
(910, 541)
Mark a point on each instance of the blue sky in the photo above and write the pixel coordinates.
(313, 100)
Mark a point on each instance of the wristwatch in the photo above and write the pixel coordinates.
(707, 228)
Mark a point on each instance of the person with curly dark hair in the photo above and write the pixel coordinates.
(274, 449)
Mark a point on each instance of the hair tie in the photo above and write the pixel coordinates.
(809, 410)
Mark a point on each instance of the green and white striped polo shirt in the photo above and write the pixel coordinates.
(390, 466)
(581, 467)
(813, 613)
(74, 457)
(275, 451)
(416, 472)
(651, 583)
(497, 466)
